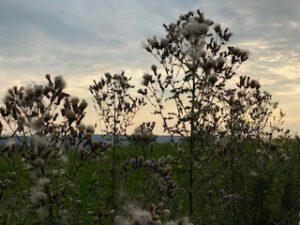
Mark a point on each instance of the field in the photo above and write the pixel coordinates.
(266, 193)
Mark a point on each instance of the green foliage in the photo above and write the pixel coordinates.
(268, 193)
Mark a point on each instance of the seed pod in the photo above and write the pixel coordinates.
(213, 79)
(154, 68)
(83, 105)
(59, 82)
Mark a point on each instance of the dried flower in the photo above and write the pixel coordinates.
(44, 182)
(59, 82)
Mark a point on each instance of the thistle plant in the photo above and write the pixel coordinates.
(249, 107)
(42, 110)
(46, 111)
(196, 63)
(42, 121)
(191, 91)
(117, 108)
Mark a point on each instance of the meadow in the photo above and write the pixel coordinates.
(234, 162)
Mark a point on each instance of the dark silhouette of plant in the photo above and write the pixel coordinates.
(43, 110)
(42, 121)
(197, 63)
(116, 108)
(192, 93)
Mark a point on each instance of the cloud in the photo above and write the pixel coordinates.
(81, 39)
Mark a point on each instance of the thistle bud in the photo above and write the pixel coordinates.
(166, 213)
(254, 84)
(74, 101)
(154, 68)
(213, 79)
(59, 82)
(47, 117)
(147, 78)
(83, 104)
(48, 77)
(37, 124)
(71, 116)
(44, 182)
(81, 127)
(39, 197)
(220, 62)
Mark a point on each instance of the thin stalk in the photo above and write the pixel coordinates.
(191, 151)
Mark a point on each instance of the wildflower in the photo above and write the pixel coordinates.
(37, 124)
(38, 90)
(48, 77)
(108, 77)
(71, 116)
(166, 213)
(284, 157)
(83, 105)
(164, 42)
(217, 28)
(147, 78)
(142, 91)
(59, 82)
(54, 172)
(153, 42)
(64, 159)
(220, 62)
(38, 197)
(172, 27)
(44, 182)
(46, 117)
(81, 127)
(212, 79)
(7, 182)
(259, 151)
(74, 101)
(253, 173)
(78, 202)
(254, 84)
(154, 68)
(194, 28)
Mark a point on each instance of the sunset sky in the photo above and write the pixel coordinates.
(82, 39)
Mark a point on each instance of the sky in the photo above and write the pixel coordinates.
(83, 39)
